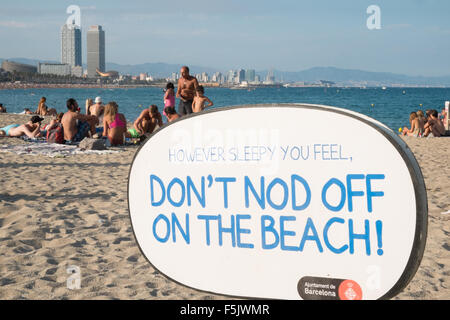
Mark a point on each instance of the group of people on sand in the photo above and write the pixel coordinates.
(77, 126)
(428, 124)
(192, 100)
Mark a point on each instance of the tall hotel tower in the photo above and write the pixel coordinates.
(71, 45)
(95, 51)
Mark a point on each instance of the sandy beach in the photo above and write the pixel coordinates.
(72, 211)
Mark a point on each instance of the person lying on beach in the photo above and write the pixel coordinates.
(77, 126)
(31, 129)
(114, 125)
(27, 111)
(415, 130)
(171, 114)
(147, 120)
(434, 126)
(200, 100)
(187, 86)
(2, 108)
(43, 110)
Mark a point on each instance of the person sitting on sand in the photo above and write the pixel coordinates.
(442, 116)
(77, 126)
(43, 110)
(422, 121)
(171, 114)
(2, 108)
(200, 100)
(114, 124)
(31, 129)
(89, 103)
(414, 121)
(147, 120)
(98, 109)
(434, 126)
(53, 123)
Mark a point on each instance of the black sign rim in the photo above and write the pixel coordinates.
(407, 155)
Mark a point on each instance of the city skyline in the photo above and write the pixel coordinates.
(287, 36)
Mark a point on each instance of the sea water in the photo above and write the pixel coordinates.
(391, 106)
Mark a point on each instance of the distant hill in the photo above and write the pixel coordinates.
(348, 76)
(341, 76)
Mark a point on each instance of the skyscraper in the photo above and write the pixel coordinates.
(95, 50)
(240, 75)
(250, 75)
(71, 45)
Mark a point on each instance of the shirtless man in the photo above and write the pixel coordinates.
(200, 100)
(187, 86)
(97, 109)
(147, 120)
(434, 126)
(31, 129)
(76, 125)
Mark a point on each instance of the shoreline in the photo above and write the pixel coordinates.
(74, 86)
(13, 86)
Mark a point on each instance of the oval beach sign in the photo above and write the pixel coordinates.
(280, 201)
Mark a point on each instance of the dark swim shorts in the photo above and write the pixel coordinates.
(185, 107)
(82, 132)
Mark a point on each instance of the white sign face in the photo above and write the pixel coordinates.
(280, 202)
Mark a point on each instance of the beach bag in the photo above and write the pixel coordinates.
(56, 135)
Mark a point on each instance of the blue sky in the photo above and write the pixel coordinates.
(285, 34)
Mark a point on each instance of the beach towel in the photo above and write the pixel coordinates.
(50, 149)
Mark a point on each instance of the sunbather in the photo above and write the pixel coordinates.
(31, 129)
(114, 125)
(434, 126)
(415, 129)
(77, 126)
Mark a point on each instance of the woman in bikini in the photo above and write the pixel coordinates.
(114, 125)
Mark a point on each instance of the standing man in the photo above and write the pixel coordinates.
(187, 86)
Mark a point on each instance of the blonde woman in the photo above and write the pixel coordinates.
(43, 110)
(114, 124)
(89, 103)
(414, 121)
(422, 121)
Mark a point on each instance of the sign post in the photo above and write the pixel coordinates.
(280, 201)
